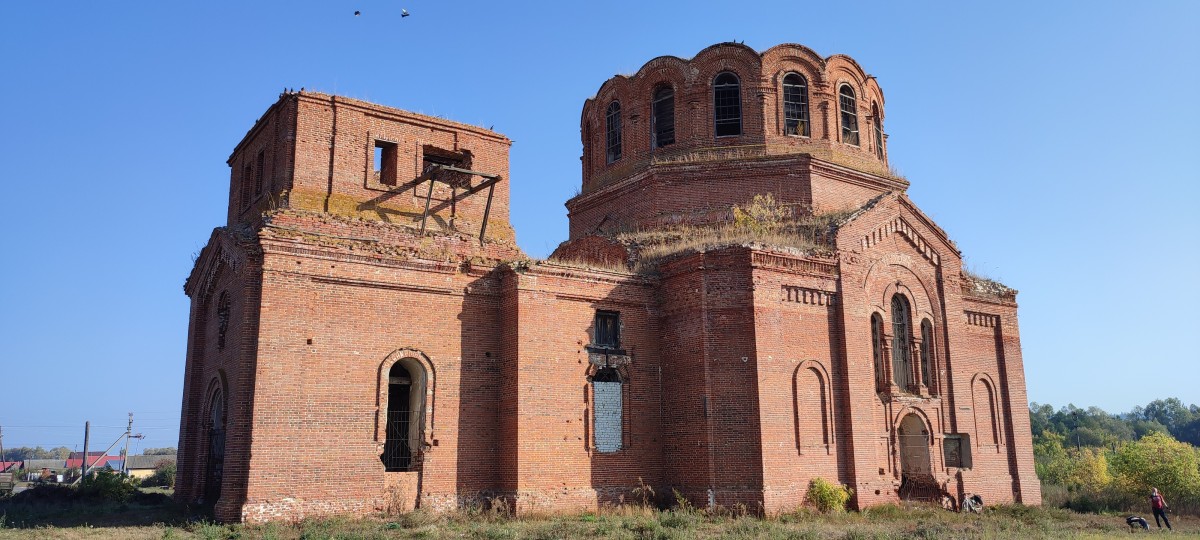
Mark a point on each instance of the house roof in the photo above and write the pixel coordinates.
(149, 461)
(5, 465)
(37, 464)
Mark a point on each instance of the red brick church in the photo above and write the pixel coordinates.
(747, 300)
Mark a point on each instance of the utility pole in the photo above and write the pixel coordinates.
(87, 431)
(3, 460)
(125, 461)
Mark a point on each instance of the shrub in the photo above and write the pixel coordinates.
(106, 485)
(164, 476)
(828, 497)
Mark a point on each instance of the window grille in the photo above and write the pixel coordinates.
(926, 352)
(607, 332)
(612, 127)
(662, 117)
(877, 349)
(795, 105)
(849, 109)
(397, 450)
(727, 105)
(901, 328)
(877, 125)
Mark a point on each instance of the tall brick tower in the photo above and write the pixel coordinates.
(747, 301)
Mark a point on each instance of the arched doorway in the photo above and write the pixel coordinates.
(215, 468)
(405, 419)
(916, 480)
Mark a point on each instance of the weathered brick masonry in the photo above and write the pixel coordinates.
(355, 345)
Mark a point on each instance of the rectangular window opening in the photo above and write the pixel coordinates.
(247, 178)
(434, 157)
(607, 332)
(258, 172)
(385, 162)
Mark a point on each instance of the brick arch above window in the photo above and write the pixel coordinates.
(418, 358)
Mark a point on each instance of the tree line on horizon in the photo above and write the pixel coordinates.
(22, 453)
(1091, 460)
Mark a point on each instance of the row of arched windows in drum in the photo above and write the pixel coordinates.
(727, 114)
(902, 358)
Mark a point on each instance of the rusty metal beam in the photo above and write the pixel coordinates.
(428, 198)
(487, 209)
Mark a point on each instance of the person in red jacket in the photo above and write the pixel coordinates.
(1159, 505)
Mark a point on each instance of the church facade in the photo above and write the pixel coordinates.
(747, 301)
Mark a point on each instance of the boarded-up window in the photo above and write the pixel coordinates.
(956, 449)
(608, 409)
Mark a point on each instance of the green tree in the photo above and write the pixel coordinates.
(167, 451)
(1158, 460)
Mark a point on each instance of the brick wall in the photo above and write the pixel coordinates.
(740, 374)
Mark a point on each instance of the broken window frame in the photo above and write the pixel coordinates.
(795, 105)
(727, 105)
(606, 330)
(612, 132)
(662, 116)
(848, 105)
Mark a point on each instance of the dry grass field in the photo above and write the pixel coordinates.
(161, 520)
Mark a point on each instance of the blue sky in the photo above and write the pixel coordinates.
(1056, 143)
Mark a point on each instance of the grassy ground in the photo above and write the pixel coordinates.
(163, 520)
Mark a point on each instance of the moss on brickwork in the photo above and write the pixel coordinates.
(397, 210)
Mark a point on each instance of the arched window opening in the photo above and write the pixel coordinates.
(795, 105)
(222, 318)
(612, 130)
(849, 108)
(215, 470)
(662, 116)
(607, 395)
(877, 349)
(877, 126)
(405, 416)
(727, 105)
(901, 328)
(927, 353)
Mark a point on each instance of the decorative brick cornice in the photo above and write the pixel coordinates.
(793, 264)
(901, 226)
(975, 318)
(804, 295)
